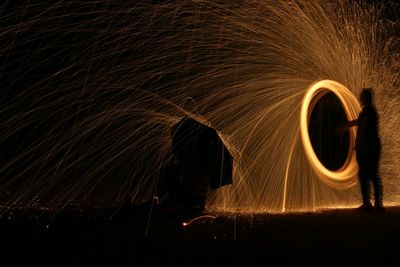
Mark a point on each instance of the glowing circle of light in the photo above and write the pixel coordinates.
(344, 177)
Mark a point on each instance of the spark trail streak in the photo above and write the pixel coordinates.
(90, 90)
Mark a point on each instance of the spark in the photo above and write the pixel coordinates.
(198, 218)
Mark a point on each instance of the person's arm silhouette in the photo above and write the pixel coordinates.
(348, 124)
(352, 123)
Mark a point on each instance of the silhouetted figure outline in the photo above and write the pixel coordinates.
(200, 162)
(368, 151)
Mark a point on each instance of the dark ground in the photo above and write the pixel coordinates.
(71, 238)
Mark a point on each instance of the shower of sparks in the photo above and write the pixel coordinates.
(95, 129)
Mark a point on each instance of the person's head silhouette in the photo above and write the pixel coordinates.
(366, 96)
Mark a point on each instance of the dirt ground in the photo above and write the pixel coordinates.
(74, 238)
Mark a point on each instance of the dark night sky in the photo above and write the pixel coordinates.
(39, 47)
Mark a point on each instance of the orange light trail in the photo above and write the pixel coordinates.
(346, 176)
(198, 218)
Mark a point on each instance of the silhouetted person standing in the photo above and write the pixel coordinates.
(368, 149)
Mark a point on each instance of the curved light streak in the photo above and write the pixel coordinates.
(345, 176)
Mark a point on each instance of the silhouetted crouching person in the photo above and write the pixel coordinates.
(200, 163)
(368, 150)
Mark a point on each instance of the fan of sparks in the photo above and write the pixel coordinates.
(94, 129)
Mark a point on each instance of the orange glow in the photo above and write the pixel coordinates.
(345, 176)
